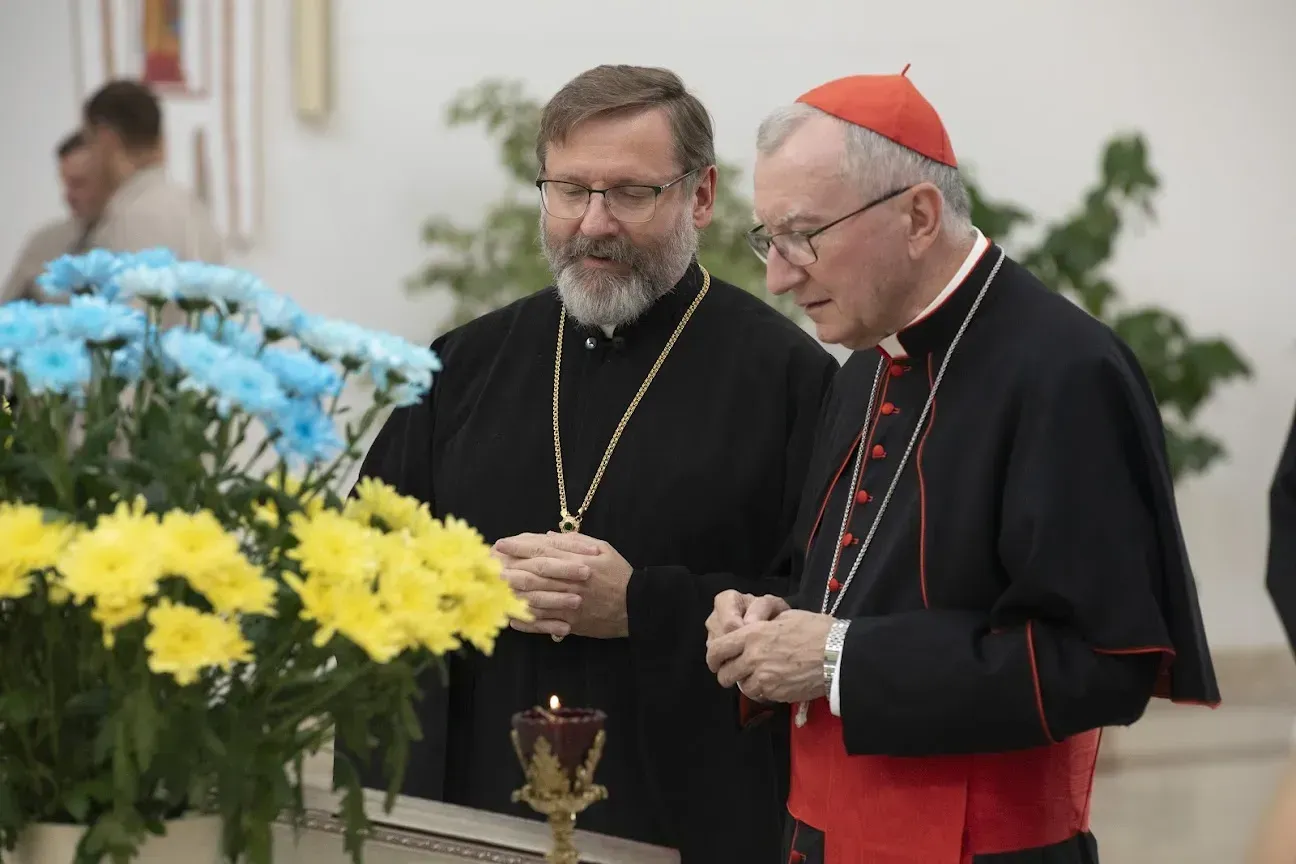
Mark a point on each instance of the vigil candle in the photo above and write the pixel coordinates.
(570, 732)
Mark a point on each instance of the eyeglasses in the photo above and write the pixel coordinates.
(795, 246)
(633, 203)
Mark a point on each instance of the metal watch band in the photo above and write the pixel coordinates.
(832, 650)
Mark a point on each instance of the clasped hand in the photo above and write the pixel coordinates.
(773, 653)
(572, 584)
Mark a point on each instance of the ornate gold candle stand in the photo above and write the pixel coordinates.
(559, 749)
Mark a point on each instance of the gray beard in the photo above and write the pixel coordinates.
(596, 298)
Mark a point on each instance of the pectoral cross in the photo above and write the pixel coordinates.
(569, 524)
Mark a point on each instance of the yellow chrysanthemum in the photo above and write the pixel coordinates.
(350, 609)
(332, 547)
(117, 564)
(15, 582)
(415, 597)
(184, 642)
(484, 610)
(471, 577)
(456, 545)
(379, 505)
(421, 585)
(191, 540)
(28, 542)
(268, 512)
(237, 587)
(199, 549)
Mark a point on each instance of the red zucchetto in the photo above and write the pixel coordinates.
(889, 105)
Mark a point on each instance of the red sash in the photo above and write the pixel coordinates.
(936, 810)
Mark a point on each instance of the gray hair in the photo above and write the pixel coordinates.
(876, 163)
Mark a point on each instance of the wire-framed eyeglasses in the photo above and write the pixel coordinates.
(627, 203)
(795, 246)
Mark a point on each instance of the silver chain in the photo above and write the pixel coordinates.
(895, 479)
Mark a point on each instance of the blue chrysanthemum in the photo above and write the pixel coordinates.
(300, 373)
(223, 287)
(155, 258)
(127, 362)
(218, 370)
(278, 314)
(99, 321)
(55, 366)
(231, 333)
(304, 432)
(193, 351)
(95, 271)
(153, 284)
(391, 356)
(22, 323)
(335, 340)
(245, 383)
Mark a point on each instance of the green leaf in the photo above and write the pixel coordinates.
(145, 722)
(18, 707)
(77, 804)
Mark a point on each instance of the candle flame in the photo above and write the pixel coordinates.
(554, 704)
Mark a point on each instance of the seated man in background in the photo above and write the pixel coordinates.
(84, 192)
(644, 401)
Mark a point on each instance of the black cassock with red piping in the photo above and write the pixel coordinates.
(1026, 585)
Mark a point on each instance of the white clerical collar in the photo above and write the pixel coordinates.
(607, 330)
(891, 345)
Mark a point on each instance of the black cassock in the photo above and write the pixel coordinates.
(706, 478)
(1281, 578)
(1026, 586)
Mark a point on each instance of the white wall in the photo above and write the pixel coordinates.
(1029, 92)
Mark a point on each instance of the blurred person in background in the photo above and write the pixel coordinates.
(123, 128)
(84, 192)
(530, 427)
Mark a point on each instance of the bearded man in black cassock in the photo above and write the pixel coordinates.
(640, 400)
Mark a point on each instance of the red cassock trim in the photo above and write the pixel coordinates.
(911, 810)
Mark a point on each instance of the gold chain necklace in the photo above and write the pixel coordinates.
(571, 522)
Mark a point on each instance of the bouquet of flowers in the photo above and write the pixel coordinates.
(187, 606)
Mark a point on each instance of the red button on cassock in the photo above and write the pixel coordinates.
(862, 497)
(848, 538)
(879, 452)
(833, 584)
(897, 370)
(888, 408)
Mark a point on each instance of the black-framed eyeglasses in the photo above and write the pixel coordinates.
(795, 246)
(628, 203)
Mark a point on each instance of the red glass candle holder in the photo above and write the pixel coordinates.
(559, 749)
(570, 733)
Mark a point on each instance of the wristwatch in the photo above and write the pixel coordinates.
(832, 651)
